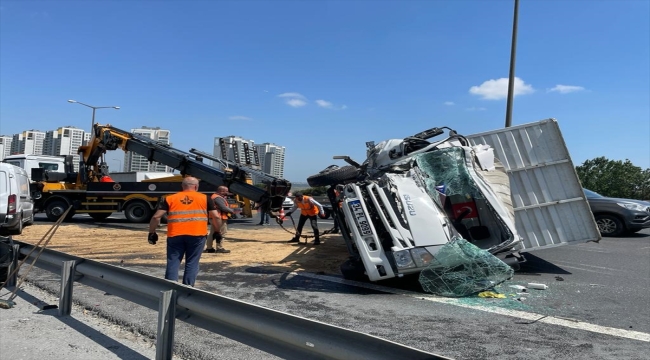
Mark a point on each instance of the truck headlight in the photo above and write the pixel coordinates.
(403, 259)
(632, 206)
(421, 256)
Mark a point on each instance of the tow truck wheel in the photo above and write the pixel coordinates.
(138, 212)
(333, 175)
(55, 209)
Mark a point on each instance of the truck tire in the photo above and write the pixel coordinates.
(138, 211)
(353, 270)
(333, 175)
(56, 208)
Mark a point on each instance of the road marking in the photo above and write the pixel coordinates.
(592, 266)
(530, 316)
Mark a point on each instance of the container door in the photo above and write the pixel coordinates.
(550, 207)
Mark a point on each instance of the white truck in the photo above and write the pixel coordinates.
(507, 191)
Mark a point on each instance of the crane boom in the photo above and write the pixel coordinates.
(106, 138)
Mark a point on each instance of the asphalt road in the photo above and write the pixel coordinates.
(596, 306)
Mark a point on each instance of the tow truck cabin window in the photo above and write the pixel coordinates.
(48, 166)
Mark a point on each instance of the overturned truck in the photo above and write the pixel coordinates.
(507, 191)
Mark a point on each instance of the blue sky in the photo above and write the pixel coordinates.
(323, 77)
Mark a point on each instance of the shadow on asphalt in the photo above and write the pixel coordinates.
(121, 351)
(537, 266)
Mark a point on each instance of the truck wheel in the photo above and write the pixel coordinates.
(55, 209)
(333, 175)
(138, 212)
(353, 270)
(609, 225)
(100, 216)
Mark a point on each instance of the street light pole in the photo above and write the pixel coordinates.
(511, 78)
(92, 126)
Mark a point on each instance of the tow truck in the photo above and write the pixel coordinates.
(91, 191)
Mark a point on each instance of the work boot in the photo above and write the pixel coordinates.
(211, 250)
(222, 250)
(317, 241)
(294, 240)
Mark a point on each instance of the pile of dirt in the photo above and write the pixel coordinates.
(259, 246)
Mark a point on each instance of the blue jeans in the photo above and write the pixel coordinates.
(264, 217)
(191, 248)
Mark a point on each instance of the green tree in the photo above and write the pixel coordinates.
(612, 178)
(315, 191)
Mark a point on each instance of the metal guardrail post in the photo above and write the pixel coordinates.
(67, 280)
(166, 321)
(11, 281)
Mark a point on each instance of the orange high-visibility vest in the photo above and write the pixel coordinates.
(224, 215)
(306, 207)
(187, 214)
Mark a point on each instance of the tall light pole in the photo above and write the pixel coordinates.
(94, 108)
(511, 78)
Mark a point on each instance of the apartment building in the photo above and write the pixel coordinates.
(135, 162)
(5, 146)
(271, 159)
(266, 157)
(29, 142)
(64, 141)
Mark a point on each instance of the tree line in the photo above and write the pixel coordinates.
(615, 178)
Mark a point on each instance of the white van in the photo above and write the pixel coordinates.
(51, 163)
(16, 204)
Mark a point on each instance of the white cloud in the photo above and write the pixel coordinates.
(328, 105)
(239, 117)
(476, 109)
(565, 89)
(324, 104)
(292, 95)
(294, 99)
(449, 103)
(498, 89)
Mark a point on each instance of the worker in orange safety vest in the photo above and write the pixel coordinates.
(309, 209)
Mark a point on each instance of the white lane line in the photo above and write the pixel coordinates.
(591, 266)
(552, 320)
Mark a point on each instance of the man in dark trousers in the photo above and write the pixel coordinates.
(187, 224)
(220, 201)
(309, 209)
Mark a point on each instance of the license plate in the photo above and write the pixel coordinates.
(360, 217)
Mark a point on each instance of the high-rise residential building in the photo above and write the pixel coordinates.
(29, 142)
(135, 162)
(271, 159)
(5, 146)
(64, 141)
(87, 136)
(266, 157)
(235, 149)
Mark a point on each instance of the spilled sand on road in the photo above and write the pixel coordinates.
(256, 247)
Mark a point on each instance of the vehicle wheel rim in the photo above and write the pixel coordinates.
(606, 226)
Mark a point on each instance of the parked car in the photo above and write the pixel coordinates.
(287, 204)
(16, 204)
(616, 216)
